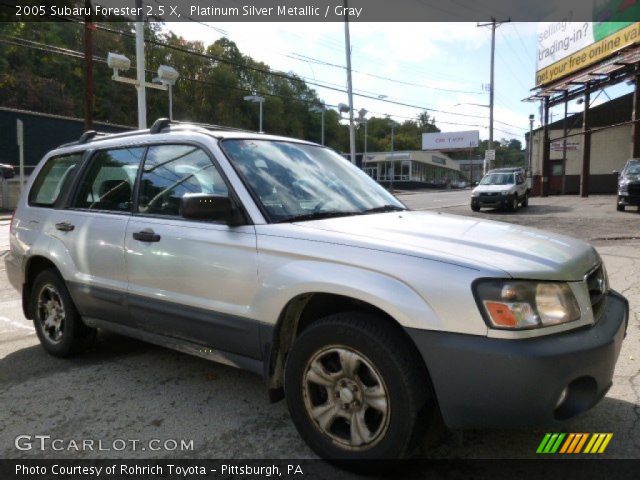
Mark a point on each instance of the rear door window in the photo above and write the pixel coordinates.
(109, 180)
(55, 176)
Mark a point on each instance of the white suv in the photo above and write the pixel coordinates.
(503, 188)
(279, 256)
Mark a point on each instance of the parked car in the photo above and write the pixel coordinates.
(629, 185)
(279, 256)
(6, 171)
(501, 188)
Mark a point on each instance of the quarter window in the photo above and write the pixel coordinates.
(173, 171)
(108, 184)
(53, 179)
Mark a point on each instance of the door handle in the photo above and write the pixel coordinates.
(146, 235)
(65, 226)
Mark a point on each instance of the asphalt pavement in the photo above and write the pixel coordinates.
(126, 389)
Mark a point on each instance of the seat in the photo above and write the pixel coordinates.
(115, 195)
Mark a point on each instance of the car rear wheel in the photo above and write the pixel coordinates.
(525, 202)
(357, 390)
(58, 325)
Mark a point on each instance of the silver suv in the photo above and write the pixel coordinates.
(503, 188)
(279, 256)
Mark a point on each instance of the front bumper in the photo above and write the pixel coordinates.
(494, 201)
(488, 382)
(627, 199)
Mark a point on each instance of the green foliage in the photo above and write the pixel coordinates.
(212, 84)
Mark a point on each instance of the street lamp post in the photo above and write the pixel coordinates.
(362, 119)
(167, 76)
(256, 99)
(165, 80)
(393, 126)
(320, 110)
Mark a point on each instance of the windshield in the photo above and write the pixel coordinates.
(295, 181)
(498, 179)
(633, 168)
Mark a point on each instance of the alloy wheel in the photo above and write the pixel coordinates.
(50, 313)
(346, 397)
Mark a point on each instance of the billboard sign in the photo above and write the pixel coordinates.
(451, 140)
(566, 47)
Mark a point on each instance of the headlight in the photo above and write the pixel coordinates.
(475, 194)
(506, 192)
(520, 305)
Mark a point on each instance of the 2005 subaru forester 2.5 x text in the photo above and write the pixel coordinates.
(279, 256)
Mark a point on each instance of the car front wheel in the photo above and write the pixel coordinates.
(513, 206)
(620, 205)
(356, 390)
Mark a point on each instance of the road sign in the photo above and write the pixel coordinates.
(490, 155)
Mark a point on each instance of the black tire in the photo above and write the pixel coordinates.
(525, 202)
(620, 206)
(513, 203)
(475, 208)
(75, 336)
(409, 401)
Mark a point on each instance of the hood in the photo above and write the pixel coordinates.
(520, 252)
(493, 188)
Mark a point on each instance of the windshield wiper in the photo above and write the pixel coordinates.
(317, 216)
(384, 208)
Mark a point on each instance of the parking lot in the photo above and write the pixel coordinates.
(125, 389)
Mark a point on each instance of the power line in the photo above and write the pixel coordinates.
(79, 55)
(297, 56)
(284, 75)
(524, 47)
(45, 47)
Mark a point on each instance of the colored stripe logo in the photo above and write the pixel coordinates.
(573, 443)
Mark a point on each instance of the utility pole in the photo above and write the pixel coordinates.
(531, 117)
(352, 131)
(140, 68)
(88, 68)
(493, 24)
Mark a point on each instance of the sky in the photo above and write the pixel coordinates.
(442, 67)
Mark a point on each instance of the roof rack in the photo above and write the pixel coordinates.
(88, 135)
(158, 126)
(163, 123)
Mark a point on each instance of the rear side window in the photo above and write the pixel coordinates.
(172, 171)
(54, 177)
(109, 180)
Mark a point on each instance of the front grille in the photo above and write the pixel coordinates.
(633, 188)
(597, 285)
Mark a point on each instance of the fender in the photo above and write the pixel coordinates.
(383, 291)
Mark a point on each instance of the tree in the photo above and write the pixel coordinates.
(43, 71)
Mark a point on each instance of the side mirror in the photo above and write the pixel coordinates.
(202, 206)
(7, 171)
